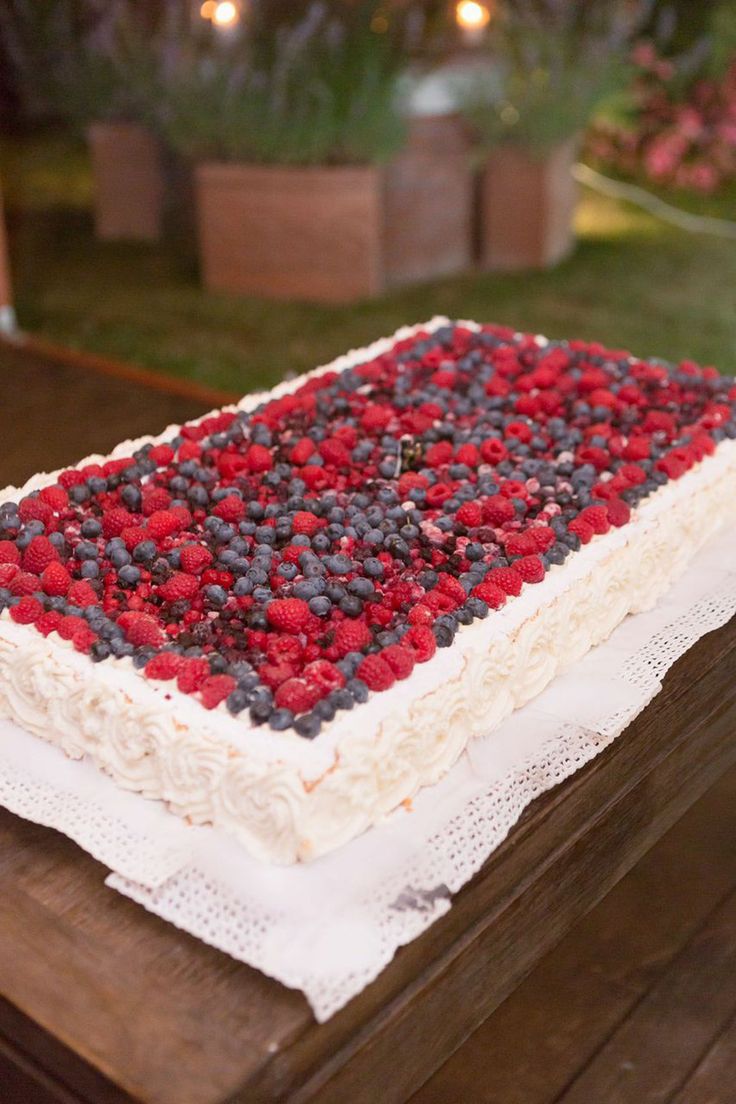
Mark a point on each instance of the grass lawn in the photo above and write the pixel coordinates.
(632, 282)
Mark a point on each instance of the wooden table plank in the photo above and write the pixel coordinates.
(105, 978)
(713, 1080)
(655, 1048)
(550, 1028)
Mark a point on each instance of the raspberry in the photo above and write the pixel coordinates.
(114, 521)
(215, 689)
(469, 515)
(324, 675)
(38, 555)
(468, 455)
(633, 474)
(49, 622)
(70, 478)
(302, 450)
(23, 583)
(154, 499)
(162, 524)
(506, 578)
(69, 626)
(161, 455)
(520, 544)
(55, 497)
(82, 594)
(421, 614)
(259, 459)
(195, 558)
(437, 455)
(596, 517)
(305, 522)
(543, 537)
(288, 614)
(493, 451)
(400, 660)
(273, 674)
(83, 639)
(230, 508)
(352, 636)
(140, 629)
(179, 586)
(8, 571)
(452, 588)
(133, 535)
(9, 553)
(497, 509)
(34, 509)
(27, 611)
(191, 674)
(376, 673)
(422, 641)
(491, 594)
(530, 568)
(582, 529)
(165, 665)
(56, 580)
(297, 695)
(618, 511)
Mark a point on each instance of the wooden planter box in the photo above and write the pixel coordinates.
(128, 182)
(527, 207)
(337, 234)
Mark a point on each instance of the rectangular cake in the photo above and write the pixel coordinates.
(287, 617)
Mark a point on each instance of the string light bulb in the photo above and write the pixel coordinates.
(225, 14)
(472, 17)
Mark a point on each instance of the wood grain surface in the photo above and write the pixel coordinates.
(103, 999)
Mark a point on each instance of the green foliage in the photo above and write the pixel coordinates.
(559, 61)
(320, 91)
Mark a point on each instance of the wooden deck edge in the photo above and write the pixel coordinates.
(118, 369)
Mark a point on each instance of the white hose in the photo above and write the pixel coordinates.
(684, 220)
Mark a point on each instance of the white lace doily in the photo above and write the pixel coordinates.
(330, 927)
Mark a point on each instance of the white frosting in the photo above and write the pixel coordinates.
(288, 799)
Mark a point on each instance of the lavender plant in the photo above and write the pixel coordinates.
(557, 60)
(321, 90)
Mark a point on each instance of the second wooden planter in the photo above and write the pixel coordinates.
(338, 233)
(527, 207)
(128, 181)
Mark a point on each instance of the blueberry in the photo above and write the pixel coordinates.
(128, 575)
(90, 569)
(351, 606)
(131, 496)
(243, 586)
(373, 567)
(320, 605)
(358, 690)
(308, 725)
(90, 528)
(85, 550)
(237, 701)
(325, 709)
(260, 710)
(477, 607)
(144, 551)
(342, 699)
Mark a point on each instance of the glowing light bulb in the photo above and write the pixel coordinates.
(207, 10)
(472, 17)
(225, 14)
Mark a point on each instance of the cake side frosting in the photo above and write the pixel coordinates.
(282, 816)
(287, 798)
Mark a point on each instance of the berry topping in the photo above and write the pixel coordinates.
(287, 561)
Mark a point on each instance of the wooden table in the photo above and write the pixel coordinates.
(101, 1002)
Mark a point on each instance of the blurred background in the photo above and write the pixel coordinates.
(229, 190)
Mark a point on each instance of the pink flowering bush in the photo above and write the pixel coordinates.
(679, 134)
